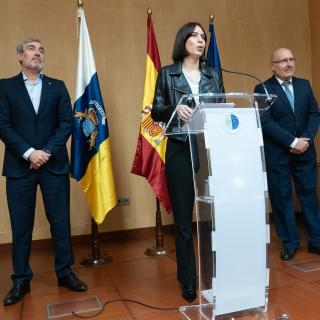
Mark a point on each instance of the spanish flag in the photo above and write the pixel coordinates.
(151, 147)
(90, 147)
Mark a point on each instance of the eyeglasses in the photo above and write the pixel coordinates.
(287, 60)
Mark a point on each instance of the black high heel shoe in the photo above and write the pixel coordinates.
(189, 293)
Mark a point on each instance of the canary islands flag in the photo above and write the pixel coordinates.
(90, 147)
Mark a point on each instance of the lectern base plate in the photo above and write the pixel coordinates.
(206, 312)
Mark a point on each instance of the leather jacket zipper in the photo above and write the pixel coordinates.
(180, 90)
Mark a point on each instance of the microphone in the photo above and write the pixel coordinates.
(268, 100)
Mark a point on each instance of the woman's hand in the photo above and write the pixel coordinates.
(184, 112)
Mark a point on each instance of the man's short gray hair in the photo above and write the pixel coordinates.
(21, 46)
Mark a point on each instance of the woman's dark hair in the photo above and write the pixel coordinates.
(179, 51)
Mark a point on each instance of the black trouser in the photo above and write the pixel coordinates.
(304, 174)
(21, 196)
(179, 175)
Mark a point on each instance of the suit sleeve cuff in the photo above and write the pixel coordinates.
(294, 143)
(27, 153)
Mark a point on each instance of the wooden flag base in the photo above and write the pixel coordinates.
(93, 262)
(154, 251)
(95, 259)
(158, 249)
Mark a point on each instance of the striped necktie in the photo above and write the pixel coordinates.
(288, 93)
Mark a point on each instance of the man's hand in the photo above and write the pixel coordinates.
(184, 112)
(37, 158)
(301, 146)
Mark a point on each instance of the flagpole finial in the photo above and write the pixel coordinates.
(211, 17)
(80, 3)
(149, 12)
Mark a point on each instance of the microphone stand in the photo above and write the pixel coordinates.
(269, 99)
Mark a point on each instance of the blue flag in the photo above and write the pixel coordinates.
(213, 58)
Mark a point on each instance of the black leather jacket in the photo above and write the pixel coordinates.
(172, 85)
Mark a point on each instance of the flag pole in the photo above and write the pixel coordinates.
(159, 249)
(80, 5)
(211, 17)
(95, 259)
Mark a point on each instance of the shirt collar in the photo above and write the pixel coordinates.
(25, 78)
(282, 81)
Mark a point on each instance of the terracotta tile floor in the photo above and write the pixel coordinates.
(151, 280)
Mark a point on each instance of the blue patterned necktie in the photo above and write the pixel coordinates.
(288, 93)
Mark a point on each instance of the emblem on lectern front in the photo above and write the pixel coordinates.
(231, 122)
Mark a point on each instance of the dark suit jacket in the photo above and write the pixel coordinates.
(21, 128)
(280, 125)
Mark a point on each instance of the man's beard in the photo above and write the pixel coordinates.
(37, 67)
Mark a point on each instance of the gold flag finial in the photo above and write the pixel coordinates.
(149, 11)
(211, 17)
(80, 6)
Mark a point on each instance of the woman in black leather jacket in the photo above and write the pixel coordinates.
(188, 74)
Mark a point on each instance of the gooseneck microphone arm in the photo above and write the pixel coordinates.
(251, 76)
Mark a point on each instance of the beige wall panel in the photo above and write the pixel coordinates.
(261, 10)
(314, 7)
(256, 50)
(247, 31)
(314, 10)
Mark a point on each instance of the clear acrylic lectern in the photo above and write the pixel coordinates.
(231, 204)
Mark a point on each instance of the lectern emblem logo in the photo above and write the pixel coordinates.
(231, 122)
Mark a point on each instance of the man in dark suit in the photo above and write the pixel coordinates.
(35, 124)
(289, 127)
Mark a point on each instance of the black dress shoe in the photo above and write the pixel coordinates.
(189, 293)
(16, 293)
(72, 282)
(313, 249)
(287, 253)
